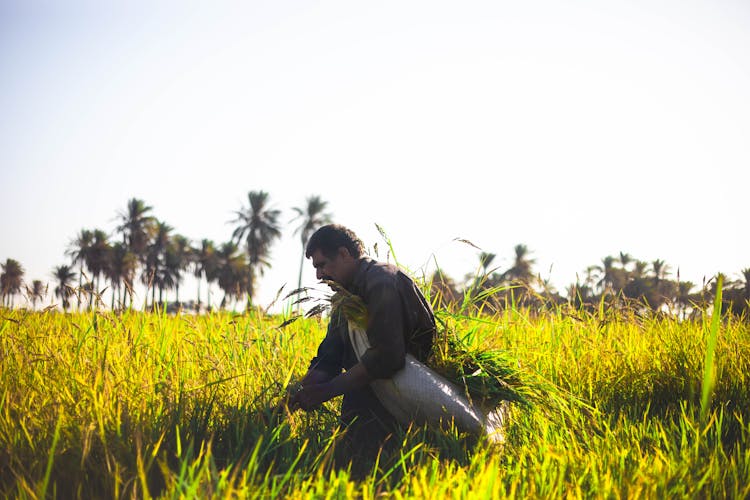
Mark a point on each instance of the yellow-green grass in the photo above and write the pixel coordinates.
(146, 404)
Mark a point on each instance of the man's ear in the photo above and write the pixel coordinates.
(344, 253)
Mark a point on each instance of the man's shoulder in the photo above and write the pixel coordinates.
(377, 268)
(374, 274)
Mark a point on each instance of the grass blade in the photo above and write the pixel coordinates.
(709, 363)
(51, 458)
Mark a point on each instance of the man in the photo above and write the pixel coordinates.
(399, 321)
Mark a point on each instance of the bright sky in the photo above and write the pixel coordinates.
(580, 129)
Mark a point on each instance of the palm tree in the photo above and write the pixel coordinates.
(579, 294)
(78, 251)
(121, 267)
(258, 225)
(88, 291)
(746, 286)
(588, 278)
(485, 261)
(205, 266)
(64, 276)
(164, 280)
(36, 291)
(232, 272)
(443, 290)
(660, 270)
(480, 279)
(625, 259)
(521, 269)
(176, 260)
(154, 275)
(639, 269)
(11, 281)
(98, 254)
(312, 216)
(606, 273)
(683, 297)
(136, 227)
(737, 293)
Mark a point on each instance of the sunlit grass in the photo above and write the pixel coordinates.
(146, 404)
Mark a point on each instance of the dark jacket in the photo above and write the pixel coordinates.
(399, 321)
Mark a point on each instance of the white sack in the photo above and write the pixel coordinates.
(418, 394)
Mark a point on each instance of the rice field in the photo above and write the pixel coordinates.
(140, 405)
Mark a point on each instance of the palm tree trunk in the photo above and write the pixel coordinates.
(80, 284)
(97, 290)
(301, 264)
(250, 287)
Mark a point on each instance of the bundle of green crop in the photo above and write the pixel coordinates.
(487, 376)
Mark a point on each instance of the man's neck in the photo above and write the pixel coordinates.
(353, 285)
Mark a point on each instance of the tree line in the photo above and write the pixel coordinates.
(617, 281)
(143, 249)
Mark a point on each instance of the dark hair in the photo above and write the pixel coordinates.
(328, 239)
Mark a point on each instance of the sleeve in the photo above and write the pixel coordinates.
(330, 351)
(385, 331)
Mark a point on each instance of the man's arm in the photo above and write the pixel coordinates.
(315, 376)
(326, 364)
(385, 330)
(312, 396)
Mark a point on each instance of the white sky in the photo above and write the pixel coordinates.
(578, 128)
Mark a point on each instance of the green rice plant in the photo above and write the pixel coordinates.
(709, 365)
(141, 405)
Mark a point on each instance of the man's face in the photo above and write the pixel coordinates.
(340, 268)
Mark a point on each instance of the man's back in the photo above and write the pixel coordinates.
(399, 321)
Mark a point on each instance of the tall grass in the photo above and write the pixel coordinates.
(709, 365)
(146, 404)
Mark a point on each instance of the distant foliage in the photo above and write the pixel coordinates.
(152, 255)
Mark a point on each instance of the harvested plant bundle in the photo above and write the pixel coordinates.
(487, 376)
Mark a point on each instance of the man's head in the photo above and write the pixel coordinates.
(335, 251)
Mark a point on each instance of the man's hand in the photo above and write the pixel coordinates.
(314, 393)
(310, 397)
